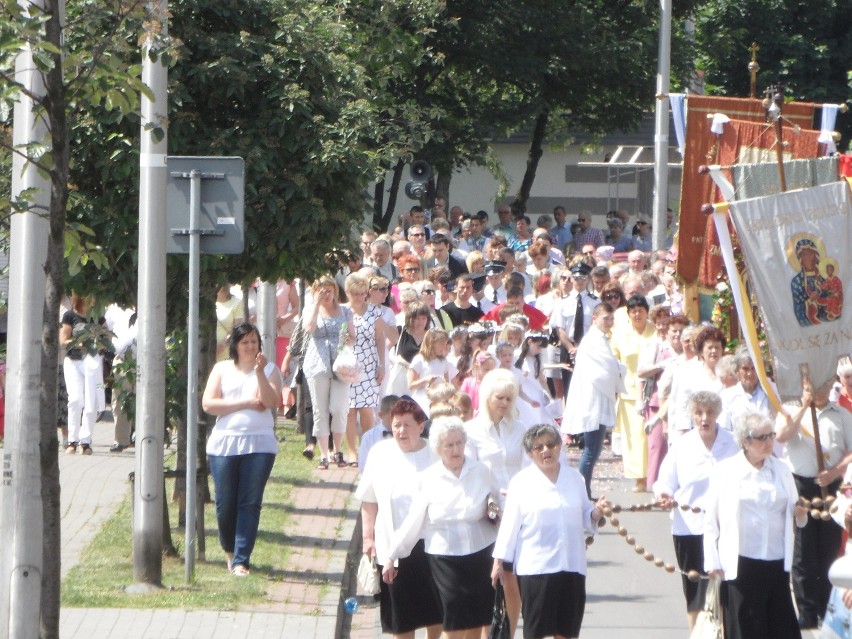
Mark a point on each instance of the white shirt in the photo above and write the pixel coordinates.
(688, 378)
(564, 312)
(501, 452)
(762, 505)
(369, 439)
(835, 429)
(118, 321)
(722, 521)
(591, 396)
(391, 480)
(736, 402)
(448, 512)
(545, 524)
(685, 476)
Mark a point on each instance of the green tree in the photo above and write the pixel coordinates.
(806, 45)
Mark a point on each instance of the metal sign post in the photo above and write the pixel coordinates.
(216, 216)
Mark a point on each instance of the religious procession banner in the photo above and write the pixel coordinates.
(798, 251)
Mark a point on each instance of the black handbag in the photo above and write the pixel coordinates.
(500, 619)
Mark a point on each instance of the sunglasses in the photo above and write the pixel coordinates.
(383, 289)
(411, 269)
(762, 438)
(548, 446)
(430, 291)
(612, 296)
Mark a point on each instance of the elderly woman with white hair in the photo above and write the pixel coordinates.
(451, 513)
(683, 479)
(748, 535)
(545, 523)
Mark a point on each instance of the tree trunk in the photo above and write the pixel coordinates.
(519, 205)
(378, 202)
(382, 223)
(52, 540)
(442, 187)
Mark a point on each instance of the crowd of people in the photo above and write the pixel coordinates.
(483, 351)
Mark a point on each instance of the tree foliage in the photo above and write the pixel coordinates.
(804, 44)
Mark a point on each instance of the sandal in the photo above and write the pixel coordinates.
(337, 458)
(323, 465)
(240, 571)
(353, 464)
(308, 453)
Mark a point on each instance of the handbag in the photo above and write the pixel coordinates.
(499, 619)
(708, 625)
(368, 575)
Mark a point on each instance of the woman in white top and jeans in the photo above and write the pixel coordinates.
(748, 535)
(243, 393)
(450, 512)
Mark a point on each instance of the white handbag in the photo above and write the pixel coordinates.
(368, 576)
(708, 625)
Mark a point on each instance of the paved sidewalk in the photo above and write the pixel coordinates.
(304, 601)
(628, 597)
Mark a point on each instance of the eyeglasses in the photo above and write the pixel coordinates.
(383, 289)
(548, 446)
(762, 438)
(416, 235)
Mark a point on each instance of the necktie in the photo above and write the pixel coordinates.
(494, 296)
(578, 320)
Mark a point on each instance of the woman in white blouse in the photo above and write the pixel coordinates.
(451, 511)
(242, 392)
(543, 532)
(684, 478)
(748, 535)
(495, 437)
(386, 490)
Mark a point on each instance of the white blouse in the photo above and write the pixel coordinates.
(545, 524)
(501, 451)
(685, 476)
(391, 480)
(449, 513)
(244, 431)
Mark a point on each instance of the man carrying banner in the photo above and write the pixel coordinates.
(816, 544)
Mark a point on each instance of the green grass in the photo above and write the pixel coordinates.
(106, 566)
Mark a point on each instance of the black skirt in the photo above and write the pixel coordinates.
(464, 587)
(689, 551)
(411, 601)
(553, 604)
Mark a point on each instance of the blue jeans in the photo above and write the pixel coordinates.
(592, 444)
(239, 481)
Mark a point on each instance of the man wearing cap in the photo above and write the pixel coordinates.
(586, 234)
(643, 240)
(573, 316)
(441, 256)
(515, 300)
(494, 289)
(461, 310)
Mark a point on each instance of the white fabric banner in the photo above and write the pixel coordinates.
(798, 251)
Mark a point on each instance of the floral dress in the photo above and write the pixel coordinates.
(365, 394)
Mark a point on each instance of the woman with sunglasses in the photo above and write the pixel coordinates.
(683, 480)
(543, 530)
(370, 331)
(749, 535)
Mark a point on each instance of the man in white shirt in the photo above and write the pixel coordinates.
(745, 396)
(122, 322)
(590, 404)
(816, 544)
(494, 290)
